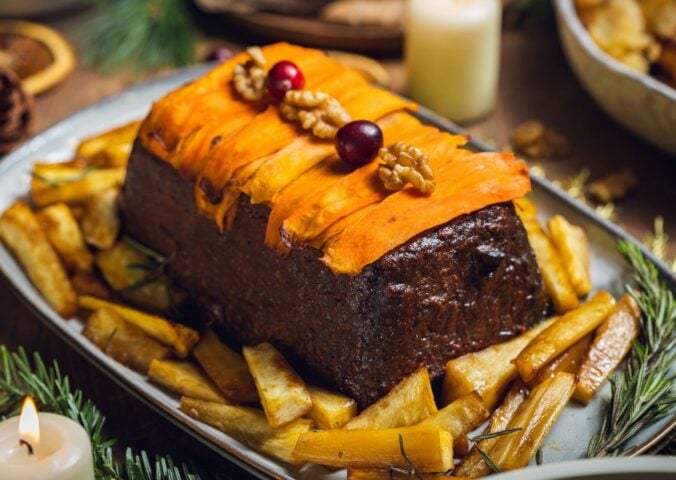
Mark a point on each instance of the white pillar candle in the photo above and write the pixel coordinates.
(61, 449)
(452, 50)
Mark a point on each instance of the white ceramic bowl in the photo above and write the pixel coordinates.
(638, 101)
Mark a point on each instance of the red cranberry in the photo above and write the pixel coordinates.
(220, 55)
(282, 77)
(358, 142)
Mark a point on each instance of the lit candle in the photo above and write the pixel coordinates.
(44, 446)
(452, 55)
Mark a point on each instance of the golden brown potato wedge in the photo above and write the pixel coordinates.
(489, 371)
(387, 474)
(123, 341)
(562, 334)
(535, 417)
(138, 278)
(226, 368)
(408, 403)
(612, 342)
(89, 284)
(525, 209)
(571, 243)
(249, 426)
(64, 234)
(429, 448)
(179, 337)
(184, 378)
(554, 275)
(21, 232)
(460, 416)
(283, 393)
(329, 409)
(101, 223)
(473, 464)
(55, 183)
(111, 148)
(569, 361)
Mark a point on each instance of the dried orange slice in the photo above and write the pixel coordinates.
(40, 55)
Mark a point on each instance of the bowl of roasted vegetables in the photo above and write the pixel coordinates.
(624, 54)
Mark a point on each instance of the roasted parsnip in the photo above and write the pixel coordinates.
(283, 393)
(554, 274)
(226, 368)
(489, 371)
(389, 474)
(249, 426)
(89, 284)
(179, 337)
(535, 417)
(428, 448)
(54, 183)
(21, 232)
(111, 148)
(329, 409)
(123, 341)
(138, 278)
(460, 416)
(184, 378)
(611, 344)
(569, 361)
(525, 209)
(64, 234)
(408, 403)
(571, 243)
(101, 223)
(562, 334)
(473, 465)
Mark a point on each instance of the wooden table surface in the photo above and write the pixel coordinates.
(535, 83)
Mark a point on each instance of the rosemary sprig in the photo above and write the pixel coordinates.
(154, 267)
(644, 392)
(485, 436)
(147, 34)
(19, 377)
(411, 469)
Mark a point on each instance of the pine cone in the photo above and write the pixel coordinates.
(16, 111)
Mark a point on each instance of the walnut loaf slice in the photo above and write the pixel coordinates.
(269, 232)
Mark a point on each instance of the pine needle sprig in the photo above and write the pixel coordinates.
(19, 378)
(146, 34)
(644, 392)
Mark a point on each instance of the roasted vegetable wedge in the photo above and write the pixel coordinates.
(184, 378)
(226, 368)
(554, 274)
(329, 409)
(249, 426)
(21, 232)
(101, 223)
(389, 474)
(571, 243)
(569, 361)
(123, 341)
(54, 183)
(408, 403)
(111, 148)
(179, 337)
(562, 334)
(611, 343)
(63, 232)
(535, 418)
(489, 371)
(461, 416)
(428, 448)
(473, 465)
(138, 278)
(86, 283)
(283, 393)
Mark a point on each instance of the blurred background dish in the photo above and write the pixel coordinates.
(638, 101)
(31, 8)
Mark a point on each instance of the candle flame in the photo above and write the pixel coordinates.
(29, 426)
